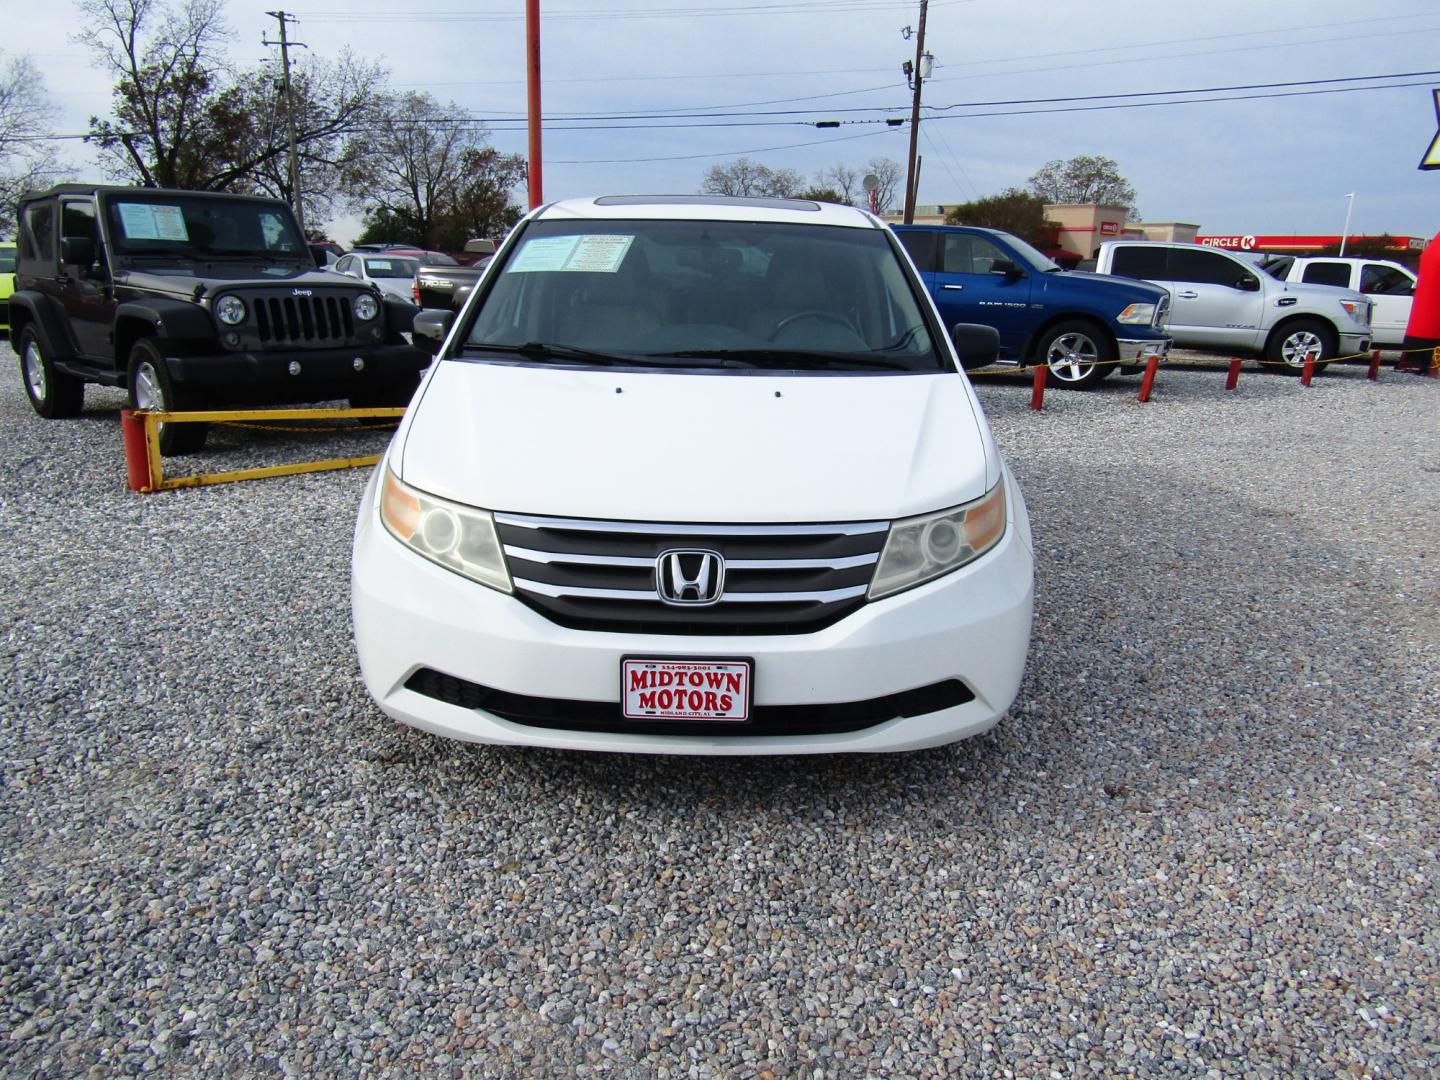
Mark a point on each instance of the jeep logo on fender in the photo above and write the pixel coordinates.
(302, 292)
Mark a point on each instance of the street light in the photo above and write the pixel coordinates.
(1345, 233)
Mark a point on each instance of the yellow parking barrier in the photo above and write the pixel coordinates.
(141, 429)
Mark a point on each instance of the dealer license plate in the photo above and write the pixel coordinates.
(711, 690)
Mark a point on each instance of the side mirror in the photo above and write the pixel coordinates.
(430, 329)
(1005, 267)
(977, 345)
(77, 251)
(1248, 284)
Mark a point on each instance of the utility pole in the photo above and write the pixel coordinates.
(532, 84)
(919, 77)
(285, 45)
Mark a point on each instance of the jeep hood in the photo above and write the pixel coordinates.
(181, 278)
(696, 447)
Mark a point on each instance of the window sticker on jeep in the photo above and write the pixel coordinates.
(152, 221)
(273, 228)
(595, 254)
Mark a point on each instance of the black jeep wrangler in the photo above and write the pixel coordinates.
(194, 300)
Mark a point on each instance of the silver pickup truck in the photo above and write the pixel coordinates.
(1222, 303)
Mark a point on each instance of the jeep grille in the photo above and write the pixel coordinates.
(285, 319)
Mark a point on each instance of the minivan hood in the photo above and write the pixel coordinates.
(695, 447)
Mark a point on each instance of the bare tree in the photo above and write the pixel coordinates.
(26, 160)
(750, 178)
(167, 62)
(843, 180)
(889, 179)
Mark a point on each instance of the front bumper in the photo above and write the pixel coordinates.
(1353, 344)
(972, 626)
(322, 373)
(1139, 350)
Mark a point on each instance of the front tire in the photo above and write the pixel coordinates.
(151, 388)
(1078, 355)
(53, 394)
(1288, 346)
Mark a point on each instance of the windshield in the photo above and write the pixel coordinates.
(706, 293)
(391, 267)
(175, 224)
(1033, 259)
(1277, 266)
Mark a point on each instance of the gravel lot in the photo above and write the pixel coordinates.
(1204, 843)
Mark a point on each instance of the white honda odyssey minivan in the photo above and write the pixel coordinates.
(696, 475)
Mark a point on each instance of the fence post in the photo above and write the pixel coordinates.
(1152, 365)
(1374, 373)
(1309, 372)
(137, 455)
(1434, 372)
(1037, 395)
(1234, 377)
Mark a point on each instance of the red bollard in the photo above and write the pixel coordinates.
(1037, 396)
(1434, 371)
(1148, 381)
(1309, 372)
(1374, 375)
(137, 455)
(1234, 376)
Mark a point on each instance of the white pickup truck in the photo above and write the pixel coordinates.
(1224, 303)
(1389, 286)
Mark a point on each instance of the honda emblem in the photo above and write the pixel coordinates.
(690, 577)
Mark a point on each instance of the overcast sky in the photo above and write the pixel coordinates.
(1277, 165)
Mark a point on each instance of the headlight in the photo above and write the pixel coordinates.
(1141, 314)
(1359, 310)
(921, 548)
(366, 307)
(459, 538)
(230, 310)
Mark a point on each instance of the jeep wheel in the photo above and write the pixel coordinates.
(1077, 354)
(53, 394)
(1289, 345)
(150, 388)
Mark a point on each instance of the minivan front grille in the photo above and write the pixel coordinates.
(282, 318)
(603, 575)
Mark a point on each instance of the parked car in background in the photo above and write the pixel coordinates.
(7, 283)
(391, 273)
(1226, 303)
(1082, 325)
(190, 299)
(327, 253)
(447, 286)
(695, 475)
(1389, 286)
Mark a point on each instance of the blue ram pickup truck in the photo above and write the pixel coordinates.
(1082, 325)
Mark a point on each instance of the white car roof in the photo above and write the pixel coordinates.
(709, 208)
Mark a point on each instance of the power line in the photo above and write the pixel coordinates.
(792, 7)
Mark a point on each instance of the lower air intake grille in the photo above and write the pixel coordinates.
(766, 719)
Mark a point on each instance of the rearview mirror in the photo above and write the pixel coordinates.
(977, 345)
(430, 329)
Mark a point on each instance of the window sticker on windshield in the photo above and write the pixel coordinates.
(273, 226)
(595, 254)
(147, 221)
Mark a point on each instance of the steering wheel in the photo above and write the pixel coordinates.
(825, 316)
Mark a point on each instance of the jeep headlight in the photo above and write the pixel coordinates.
(366, 307)
(1359, 310)
(919, 549)
(458, 537)
(1138, 314)
(230, 310)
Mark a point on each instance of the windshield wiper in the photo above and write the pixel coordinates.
(787, 358)
(542, 350)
